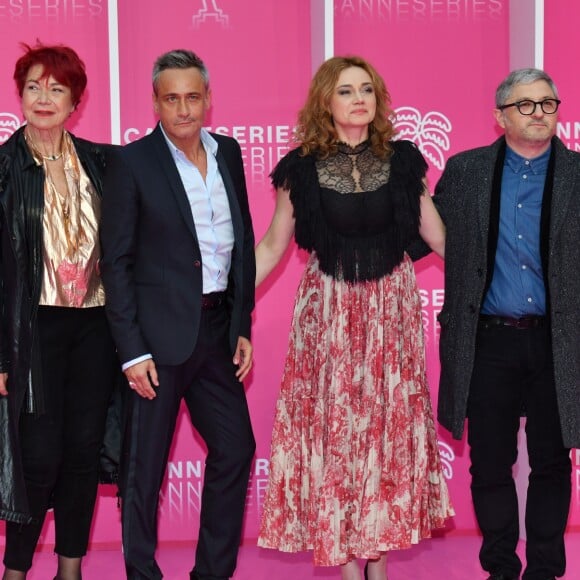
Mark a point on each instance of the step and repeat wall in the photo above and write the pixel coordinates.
(441, 60)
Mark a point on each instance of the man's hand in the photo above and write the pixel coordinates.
(243, 357)
(142, 377)
(3, 382)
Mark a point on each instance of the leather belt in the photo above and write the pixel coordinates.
(213, 300)
(487, 321)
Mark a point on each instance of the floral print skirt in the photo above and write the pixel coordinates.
(354, 468)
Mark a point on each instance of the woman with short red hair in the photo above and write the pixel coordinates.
(57, 359)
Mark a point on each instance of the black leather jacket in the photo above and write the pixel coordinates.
(21, 269)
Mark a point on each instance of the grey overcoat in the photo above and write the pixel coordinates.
(463, 197)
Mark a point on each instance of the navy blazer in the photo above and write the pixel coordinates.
(151, 264)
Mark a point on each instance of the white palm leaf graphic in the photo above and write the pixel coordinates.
(430, 132)
(447, 458)
(8, 124)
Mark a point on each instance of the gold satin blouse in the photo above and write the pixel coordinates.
(71, 249)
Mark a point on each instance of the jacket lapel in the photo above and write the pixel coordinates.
(168, 164)
(486, 171)
(565, 177)
(232, 197)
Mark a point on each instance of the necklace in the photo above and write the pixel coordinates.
(38, 152)
(63, 201)
(51, 157)
(70, 213)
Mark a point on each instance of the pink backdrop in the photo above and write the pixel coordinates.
(441, 59)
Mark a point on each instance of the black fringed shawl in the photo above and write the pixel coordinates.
(362, 255)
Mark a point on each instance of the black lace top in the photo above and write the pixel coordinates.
(356, 211)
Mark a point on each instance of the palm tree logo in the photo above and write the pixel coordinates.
(8, 124)
(430, 132)
(447, 458)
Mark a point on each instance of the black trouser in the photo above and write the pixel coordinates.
(514, 371)
(218, 409)
(60, 448)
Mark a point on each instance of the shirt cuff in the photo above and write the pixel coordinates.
(136, 361)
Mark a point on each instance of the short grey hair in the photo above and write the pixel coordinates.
(522, 76)
(180, 59)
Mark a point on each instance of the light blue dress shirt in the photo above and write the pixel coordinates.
(210, 209)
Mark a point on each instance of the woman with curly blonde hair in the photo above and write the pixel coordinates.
(355, 470)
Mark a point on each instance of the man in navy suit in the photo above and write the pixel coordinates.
(179, 270)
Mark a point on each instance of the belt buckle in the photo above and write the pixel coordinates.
(528, 322)
(212, 300)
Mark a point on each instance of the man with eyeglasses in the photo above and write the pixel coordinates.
(510, 324)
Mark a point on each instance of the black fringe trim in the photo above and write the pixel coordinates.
(356, 258)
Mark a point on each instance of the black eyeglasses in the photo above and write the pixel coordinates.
(528, 107)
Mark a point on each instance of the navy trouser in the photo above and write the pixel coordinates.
(217, 405)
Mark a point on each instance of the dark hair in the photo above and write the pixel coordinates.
(180, 59)
(58, 61)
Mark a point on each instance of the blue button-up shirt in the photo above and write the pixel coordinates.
(517, 288)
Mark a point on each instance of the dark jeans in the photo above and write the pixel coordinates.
(217, 405)
(60, 449)
(514, 371)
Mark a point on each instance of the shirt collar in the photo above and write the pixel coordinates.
(537, 165)
(209, 143)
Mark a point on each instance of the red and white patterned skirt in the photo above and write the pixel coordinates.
(355, 468)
